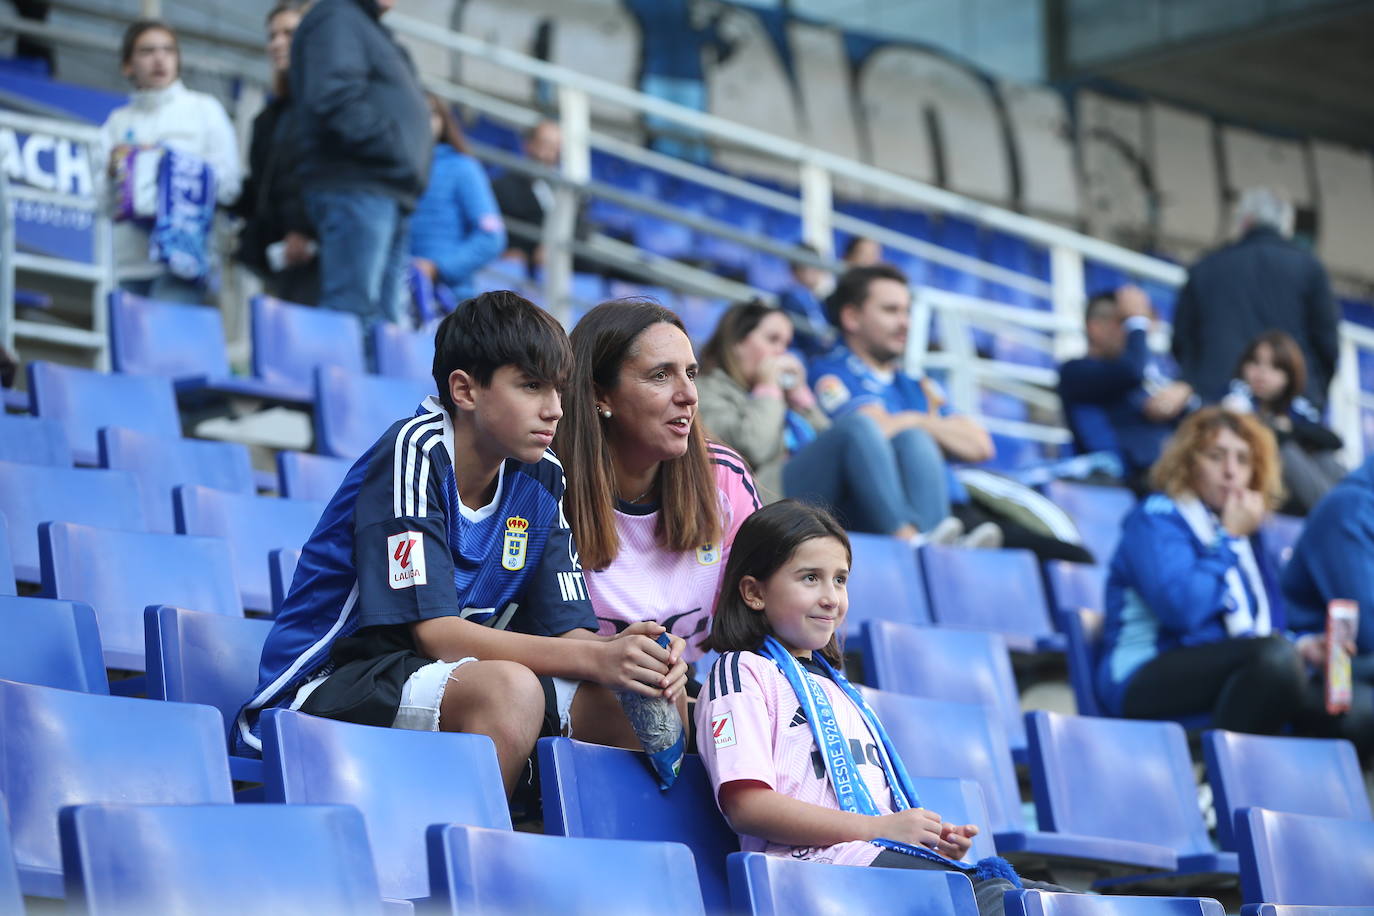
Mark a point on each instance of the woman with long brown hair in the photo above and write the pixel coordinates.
(652, 504)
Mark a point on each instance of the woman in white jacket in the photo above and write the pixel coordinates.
(162, 113)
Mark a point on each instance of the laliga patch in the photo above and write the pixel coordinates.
(405, 558)
(517, 536)
(831, 392)
(723, 730)
(708, 554)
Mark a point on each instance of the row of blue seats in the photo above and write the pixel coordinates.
(88, 749)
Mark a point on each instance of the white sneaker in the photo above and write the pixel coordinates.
(947, 532)
(987, 536)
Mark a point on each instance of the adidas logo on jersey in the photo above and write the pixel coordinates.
(798, 719)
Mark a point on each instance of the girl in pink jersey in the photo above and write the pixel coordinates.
(774, 698)
(653, 505)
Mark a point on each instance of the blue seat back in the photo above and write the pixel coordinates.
(1304, 859)
(958, 801)
(404, 354)
(972, 745)
(1278, 535)
(301, 475)
(608, 793)
(281, 566)
(161, 464)
(476, 870)
(119, 573)
(84, 402)
(34, 440)
(52, 644)
(353, 410)
(959, 665)
(7, 583)
(1296, 775)
(1097, 511)
(1076, 585)
(291, 341)
(1045, 903)
(764, 885)
(31, 494)
(59, 748)
(11, 894)
(253, 526)
(1082, 767)
(402, 781)
(999, 591)
(194, 657)
(887, 584)
(169, 339)
(1083, 630)
(121, 859)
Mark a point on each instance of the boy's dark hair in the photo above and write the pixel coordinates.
(137, 30)
(495, 329)
(763, 544)
(851, 289)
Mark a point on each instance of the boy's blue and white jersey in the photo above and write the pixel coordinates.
(395, 546)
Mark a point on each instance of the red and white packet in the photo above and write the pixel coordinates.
(1342, 620)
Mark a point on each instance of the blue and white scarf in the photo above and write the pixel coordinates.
(180, 237)
(850, 789)
(1247, 599)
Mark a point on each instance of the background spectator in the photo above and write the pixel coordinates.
(456, 228)
(862, 251)
(162, 114)
(365, 152)
(801, 300)
(1119, 398)
(277, 239)
(526, 198)
(1260, 282)
(1269, 381)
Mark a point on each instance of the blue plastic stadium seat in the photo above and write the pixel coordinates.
(7, 583)
(301, 475)
(291, 341)
(608, 793)
(51, 643)
(1097, 511)
(402, 353)
(353, 410)
(64, 748)
(1318, 776)
(700, 315)
(11, 894)
(1278, 535)
(1099, 278)
(476, 870)
(122, 859)
(888, 584)
(1044, 903)
(1075, 586)
(1305, 859)
(664, 237)
(160, 464)
(33, 440)
(943, 664)
(253, 526)
(402, 781)
(1083, 630)
(1082, 768)
(768, 272)
(281, 568)
(119, 573)
(998, 591)
(31, 494)
(209, 659)
(84, 401)
(763, 885)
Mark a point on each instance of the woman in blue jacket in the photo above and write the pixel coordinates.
(457, 228)
(1195, 621)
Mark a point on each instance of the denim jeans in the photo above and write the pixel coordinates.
(873, 483)
(166, 287)
(364, 243)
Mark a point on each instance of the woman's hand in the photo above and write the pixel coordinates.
(633, 660)
(1243, 512)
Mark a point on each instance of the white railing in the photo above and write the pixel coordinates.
(98, 275)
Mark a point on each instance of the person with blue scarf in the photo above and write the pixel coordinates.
(800, 765)
(1195, 622)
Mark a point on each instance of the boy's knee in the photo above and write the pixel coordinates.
(486, 695)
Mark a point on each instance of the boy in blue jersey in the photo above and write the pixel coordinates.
(441, 589)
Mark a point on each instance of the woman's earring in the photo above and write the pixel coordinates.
(606, 413)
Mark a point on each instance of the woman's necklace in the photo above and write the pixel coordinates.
(646, 492)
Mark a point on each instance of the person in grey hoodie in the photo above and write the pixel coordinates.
(365, 150)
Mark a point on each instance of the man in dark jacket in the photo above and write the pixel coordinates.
(1259, 283)
(365, 147)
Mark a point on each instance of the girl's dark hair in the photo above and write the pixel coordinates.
(738, 322)
(1288, 357)
(762, 546)
(449, 131)
(689, 514)
(495, 329)
(137, 30)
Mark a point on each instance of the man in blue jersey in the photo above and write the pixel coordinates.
(441, 589)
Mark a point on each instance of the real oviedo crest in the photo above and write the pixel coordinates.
(517, 537)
